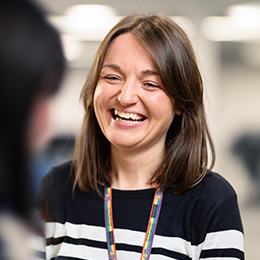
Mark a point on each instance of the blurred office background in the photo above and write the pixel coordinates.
(226, 38)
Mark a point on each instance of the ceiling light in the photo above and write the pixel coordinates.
(247, 10)
(246, 16)
(86, 22)
(242, 24)
(89, 17)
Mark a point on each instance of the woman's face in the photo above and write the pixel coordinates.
(132, 108)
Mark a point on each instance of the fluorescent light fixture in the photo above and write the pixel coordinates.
(92, 22)
(90, 17)
(246, 16)
(86, 22)
(242, 24)
(217, 28)
(248, 10)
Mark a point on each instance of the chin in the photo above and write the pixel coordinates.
(124, 145)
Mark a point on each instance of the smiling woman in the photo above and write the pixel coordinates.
(144, 142)
(131, 105)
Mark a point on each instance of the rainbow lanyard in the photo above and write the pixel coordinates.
(151, 227)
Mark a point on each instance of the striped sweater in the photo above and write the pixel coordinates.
(202, 223)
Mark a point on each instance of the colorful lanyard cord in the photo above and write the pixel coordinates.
(151, 227)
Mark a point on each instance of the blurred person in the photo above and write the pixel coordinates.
(141, 184)
(31, 67)
(247, 148)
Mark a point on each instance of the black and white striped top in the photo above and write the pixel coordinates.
(202, 223)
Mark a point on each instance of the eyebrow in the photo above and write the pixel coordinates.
(116, 67)
(149, 72)
(113, 66)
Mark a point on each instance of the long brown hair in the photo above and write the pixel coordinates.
(188, 139)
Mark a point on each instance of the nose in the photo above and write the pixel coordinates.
(128, 94)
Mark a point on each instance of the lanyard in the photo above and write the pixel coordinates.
(151, 227)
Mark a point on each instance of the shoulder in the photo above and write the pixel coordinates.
(215, 187)
(59, 180)
(215, 201)
(56, 192)
(58, 174)
(216, 210)
(213, 194)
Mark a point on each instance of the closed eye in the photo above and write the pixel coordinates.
(151, 85)
(111, 78)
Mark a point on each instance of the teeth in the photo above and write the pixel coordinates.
(127, 121)
(124, 115)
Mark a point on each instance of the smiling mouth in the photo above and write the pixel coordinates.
(129, 118)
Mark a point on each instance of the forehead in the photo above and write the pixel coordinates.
(125, 49)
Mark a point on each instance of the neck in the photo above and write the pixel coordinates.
(133, 171)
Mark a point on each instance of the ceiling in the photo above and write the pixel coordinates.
(190, 8)
(195, 10)
(213, 55)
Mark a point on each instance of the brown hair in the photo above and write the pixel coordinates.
(188, 138)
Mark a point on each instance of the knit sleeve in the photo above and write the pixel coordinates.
(221, 225)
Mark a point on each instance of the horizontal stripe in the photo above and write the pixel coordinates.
(221, 240)
(223, 253)
(136, 256)
(76, 241)
(120, 247)
(169, 254)
(54, 229)
(122, 236)
(224, 239)
(221, 258)
(83, 252)
(175, 244)
(67, 258)
(77, 251)
(88, 238)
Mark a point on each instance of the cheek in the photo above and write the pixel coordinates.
(96, 110)
(164, 106)
(96, 94)
(166, 112)
(100, 101)
(100, 95)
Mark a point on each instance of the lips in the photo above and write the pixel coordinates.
(125, 117)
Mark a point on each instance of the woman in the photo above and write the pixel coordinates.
(140, 184)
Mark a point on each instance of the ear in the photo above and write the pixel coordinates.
(178, 110)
